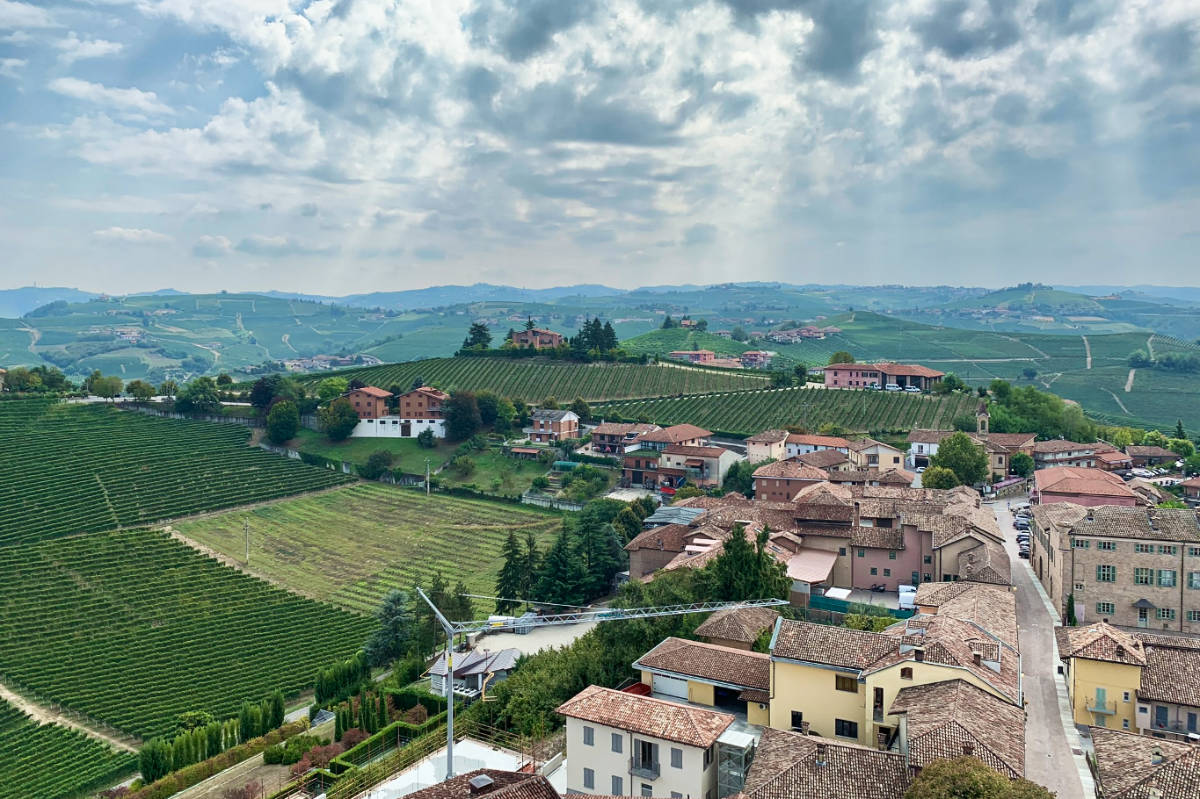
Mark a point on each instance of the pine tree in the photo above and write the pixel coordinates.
(598, 554)
(278, 710)
(533, 566)
(561, 578)
(1179, 432)
(609, 340)
(511, 580)
(390, 641)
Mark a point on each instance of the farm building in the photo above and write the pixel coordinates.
(414, 413)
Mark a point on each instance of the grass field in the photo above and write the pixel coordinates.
(133, 628)
(533, 380)
(749, 412)
(409, 455)
(49, 761)
(78, 468)
(353, 545)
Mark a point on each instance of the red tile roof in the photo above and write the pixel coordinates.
(694, 452)
(702, 661)
(644, 715)
(676, 434)
(768, 437)
(373, 391)
(1100, 641)
(1133, 766)
(738, 624)
(1080, 481)
(803, 439)
(791, 469)
(504, 785)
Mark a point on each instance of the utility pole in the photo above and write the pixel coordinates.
(449, 677)
(427, 477)
(246, 533)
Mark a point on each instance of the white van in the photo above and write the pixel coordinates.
(908, 595)
(891, 387)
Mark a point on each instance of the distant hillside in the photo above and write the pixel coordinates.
(15, 303)
(660, 342)
(1031, 297)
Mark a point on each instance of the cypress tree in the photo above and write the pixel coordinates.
(264, 709)
(562, 577)
(337, 725)
(245, 724)
(213, 731)
(155, 760)
(511, 581)
(383, 714)
(364, 716)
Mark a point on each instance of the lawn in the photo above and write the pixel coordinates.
(496, 473)
(409, 455)
(353, 545)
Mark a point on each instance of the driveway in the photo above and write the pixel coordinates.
(1048, 756)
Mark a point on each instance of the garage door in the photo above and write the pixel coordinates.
(670, 686)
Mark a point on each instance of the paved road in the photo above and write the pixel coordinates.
(1048, 757)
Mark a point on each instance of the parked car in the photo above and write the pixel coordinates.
(1023, 540)
(912, 389)
(1024, 553)
(908, 595)
(1142, 473)
(920, 469)
(892, 387)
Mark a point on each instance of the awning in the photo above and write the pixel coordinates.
(694, 462)
(524, 450)
(811, 565)
(1145, 603)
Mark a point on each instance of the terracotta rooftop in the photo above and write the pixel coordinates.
(791, 469)
(1080, 482)
(373, 391)
(710, 662)
(1132, 766)
(923, 436)
(1100, 641)
(645, 715)
(789, 765)
(1011, 440)
(1058, 445)
(943, 716)
(834, 646)
(431, 392)
(1136, 451)
(992, 607)
(694, 452)
(1114, 521)
(805, 439)
(676, 434)
(823, 458)
(889, 476)
(768, 437)
(622, 428)
(860, 444)
(1171, 668)
(908, 370)
(738, 624)
(502, 785)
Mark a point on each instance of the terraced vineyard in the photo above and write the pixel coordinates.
(535, 379)
(749, 412)
(49, 761)
(133, 628)
(352, 546)
(78, 468)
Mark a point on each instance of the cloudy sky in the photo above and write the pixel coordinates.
(355, 145)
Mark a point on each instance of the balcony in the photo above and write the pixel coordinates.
(1103, 708)
(1175, 727)
(647, 770)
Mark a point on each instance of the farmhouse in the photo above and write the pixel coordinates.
(551, 426)
(1087, 487)
(767, 445)
(538, 338)
(617, 438)
(417, 411)
(800, 443)
(879, 375)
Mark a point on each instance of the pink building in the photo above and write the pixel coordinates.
(878, 375)
(1087, 487)
(890, 557)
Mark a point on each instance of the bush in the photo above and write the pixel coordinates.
(378, 462)
(283, 422)
(426, 440)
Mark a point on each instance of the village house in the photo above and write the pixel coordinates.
(867, 453)
(1063, 453)
(831, 460)
(1131, 766)
(737, 628)
(1144, 457)
(1087, 487)
(369, 402)
(617, 438)
(801, 443)
(1000, 447)
(719, 677)
(687, 435)
(424, 402)
(880, 375)
(1114, 461)
(552, 426)
(767, 445)
(474, 673)
(376, 418)
(537, 338)
(1136, 566)
(693, 356)
(791, 765)
(780, 481)
(704, 467)
(756, 359)
(624, 744)
(898, 478)
(1191, 490)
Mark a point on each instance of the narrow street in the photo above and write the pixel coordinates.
(1048, 749)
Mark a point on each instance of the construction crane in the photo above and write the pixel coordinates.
(578, 616)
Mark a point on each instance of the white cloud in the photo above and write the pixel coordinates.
(72, 48)
(11, 67)
(212, 247)
(122, 99)
(126, 235)
(24, 15)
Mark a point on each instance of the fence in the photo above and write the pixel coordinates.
(543, 501)
(842, 606)
(244, 421)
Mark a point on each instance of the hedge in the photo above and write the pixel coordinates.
(396, 733)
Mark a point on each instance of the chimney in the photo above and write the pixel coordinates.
(1120, 651)
(804, 727)
(822, 750)
(977, 657)
(968, 748)
(919, 654)
(480, 784)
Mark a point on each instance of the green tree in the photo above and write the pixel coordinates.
(1001, 390)
(581, 409)
(1179, 431)
(199, 396)
(489, 405)
(627, 524)
(958, 453)
(1029, 373)
(1173, 503)
(338, 419)
(392, 638)
(278, 710)
(1021, 464)
(107, 387)
(168, 388)
(740, 477)
(1181, 447)
(511, 580)
(841, 356)
(506, 412)
(478, 337)
(283, 422)
(155, 760)
(550, 403)
(461, 412)
(1153, 438)
(744, 570)
(140, 390)
(669, 323)
(738, 333)
(533, 566)
(426, 439)
(1070, 614)
(939, 477)
(331, 388)
(561, 578)
(1192, 465)
(600, 553)
(968, 777)
(377, 463)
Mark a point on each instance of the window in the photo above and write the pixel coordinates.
(676, 795)
(1166, 578)
(1191, 722)
(1080, 543)
(589, 778)
(1125, 696)
(892, 555)
(1193, 615)
(1143, 576)
(1078, 586)
(676, 757)
(1166, 614)
(1107, 545)
(1106, 574)
(927, 576)
(797, 720)
(1143, 548)
(848, 684)
(616, 742)
(647, 789)
(708, 757)
(646, 754)
(1164, 549)
(1124, 724)
(1194, 552)
(928, 559)
(1194, 580)
(589, 736)
(845, 729)
(906, 673)
(618, 786)
(874, 571)
(887, 572)
(842, 551)
(1106, 607)
(862, 553)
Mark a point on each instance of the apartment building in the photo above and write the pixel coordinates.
(710, 675)
(1064, 453)
(767, 445)
(782, 480)
(617, 438)
(624, 744)
(551, 426)
(1137, 567)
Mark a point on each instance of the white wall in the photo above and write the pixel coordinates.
(391, 427)
(692, 781)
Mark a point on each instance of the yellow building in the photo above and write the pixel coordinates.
(720, 677)
(1104, 673)
(841, 683)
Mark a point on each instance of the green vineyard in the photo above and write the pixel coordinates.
(50, 761)
(134, 628)
(749, 412)
(79, 468)
(533, 380)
